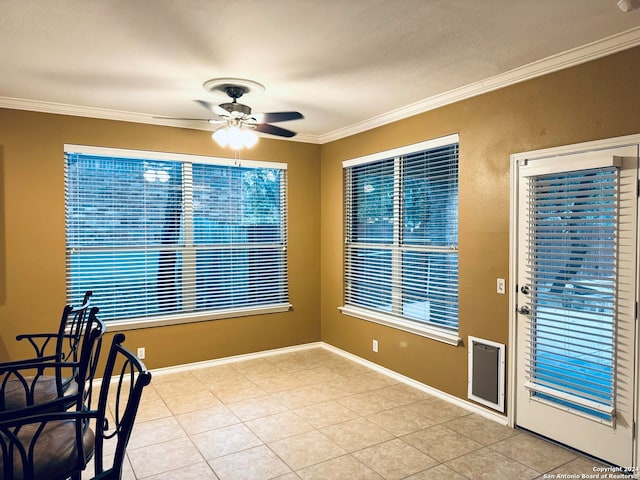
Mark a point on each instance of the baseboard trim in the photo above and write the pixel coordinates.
(235, 358)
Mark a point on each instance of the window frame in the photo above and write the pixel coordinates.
(446, 335)
(189, 160)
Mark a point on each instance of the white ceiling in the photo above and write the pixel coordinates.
(347, 65)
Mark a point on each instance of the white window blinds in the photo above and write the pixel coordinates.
(401, 236)
(571, 256)
(154, 237)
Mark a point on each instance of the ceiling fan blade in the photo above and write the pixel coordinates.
(210, 120)
(217, 109)
(274, 117)
(207, 105)
(273, 130)
(182, 118)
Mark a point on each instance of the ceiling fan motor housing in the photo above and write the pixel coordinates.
(238, 108)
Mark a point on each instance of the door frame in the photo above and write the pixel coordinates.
(604, 144)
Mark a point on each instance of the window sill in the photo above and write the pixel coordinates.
(162, 321)
(434, 333)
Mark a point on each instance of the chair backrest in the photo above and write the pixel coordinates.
(38, 384)
(73, 325)
(89, 357)
(124, 378)
(85, 341)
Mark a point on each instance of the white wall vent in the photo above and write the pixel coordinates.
(486, 372)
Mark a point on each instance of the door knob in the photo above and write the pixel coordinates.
(524, 310)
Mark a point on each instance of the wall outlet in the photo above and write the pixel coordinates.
(375, 346)
(141, 353)
(500, 286)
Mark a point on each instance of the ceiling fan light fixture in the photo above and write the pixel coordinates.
(235, 137)
(249, 138)
(220, 136)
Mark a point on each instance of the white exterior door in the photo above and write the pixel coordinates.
(576, 299)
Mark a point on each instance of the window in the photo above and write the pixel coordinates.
(401, 238)
(170, 238)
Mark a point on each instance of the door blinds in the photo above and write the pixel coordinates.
(572, 270)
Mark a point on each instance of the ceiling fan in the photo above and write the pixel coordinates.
(239, 113)
(237, 120)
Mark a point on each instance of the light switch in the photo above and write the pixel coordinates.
(500, 286)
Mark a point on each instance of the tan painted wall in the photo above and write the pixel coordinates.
(597, 100)
(32, 241)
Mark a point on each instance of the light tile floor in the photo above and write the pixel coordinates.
(313, 414)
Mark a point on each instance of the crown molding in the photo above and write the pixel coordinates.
(576, 56)
(78, 111)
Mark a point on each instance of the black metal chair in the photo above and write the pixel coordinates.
(66, 341)
(58, 445)
(36, 383)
